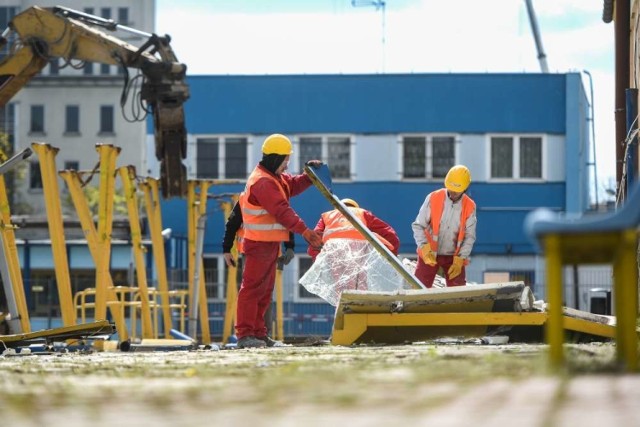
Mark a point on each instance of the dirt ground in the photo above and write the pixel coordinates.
(419, 384)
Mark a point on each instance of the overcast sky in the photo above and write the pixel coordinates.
(404, 36)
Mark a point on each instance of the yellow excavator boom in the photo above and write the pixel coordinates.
(39, 34)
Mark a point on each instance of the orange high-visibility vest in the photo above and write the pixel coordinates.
(437, 207)
(336, 226)
(258, 224)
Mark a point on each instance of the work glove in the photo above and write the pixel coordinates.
(314, 163)
(287, 256)
(428, 256)
(228, 259)
(313, 238)
(456, 267)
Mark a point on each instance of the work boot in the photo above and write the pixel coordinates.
(250, 342)
(270, 342)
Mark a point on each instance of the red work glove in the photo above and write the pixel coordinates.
(313, 238)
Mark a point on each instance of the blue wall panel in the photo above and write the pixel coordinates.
(501, 211)
(381, 103)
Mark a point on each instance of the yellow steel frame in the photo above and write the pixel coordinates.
(617, 247)
(196, 208)
(11, 255)
(154, 216)
(232, 280)
(73, 181)
(128, 177)
(108, 155)
(47, 154)
(355, 324)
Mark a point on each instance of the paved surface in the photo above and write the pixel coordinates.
(430, 385)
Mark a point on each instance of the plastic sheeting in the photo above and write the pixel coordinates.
(350, 264)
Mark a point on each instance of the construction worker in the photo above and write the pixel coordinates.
(333, 224)
(445, 230)
(267, 219)
(233, 231)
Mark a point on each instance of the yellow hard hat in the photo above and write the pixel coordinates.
(277, 144)
(350, 202)
(458, 179)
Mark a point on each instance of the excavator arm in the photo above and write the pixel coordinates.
(38, 34)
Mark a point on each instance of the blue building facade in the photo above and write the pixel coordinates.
(389, 139)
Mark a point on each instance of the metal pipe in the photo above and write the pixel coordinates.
(593, 136)
(621, 29)
(542, 57)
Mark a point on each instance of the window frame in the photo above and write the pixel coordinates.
(428, 160)
(101, 129)
(515, 157)
(67, 130)
(221, 161)
(35, 174)
(32, 122)
(295, 163)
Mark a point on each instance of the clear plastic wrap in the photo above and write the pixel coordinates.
(350, 264)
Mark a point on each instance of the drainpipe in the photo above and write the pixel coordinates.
(622, 30)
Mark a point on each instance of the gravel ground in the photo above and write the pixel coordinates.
(420, 384)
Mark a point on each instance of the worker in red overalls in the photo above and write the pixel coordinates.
(267, 219)
(445, 230)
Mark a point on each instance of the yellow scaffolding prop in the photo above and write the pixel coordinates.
(11, 254)
(196, 209)
(47, 154)
(232, 279)
(73, 181)
(154, 216)
(128, 177)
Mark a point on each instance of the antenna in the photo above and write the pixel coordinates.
(379, 5)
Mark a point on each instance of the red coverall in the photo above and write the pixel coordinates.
(259, 273)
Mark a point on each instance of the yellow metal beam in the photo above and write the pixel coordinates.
(108, 155)
(202, 301)
(73, 181)
(354, 325)
(154, 216)
(128, 177)
(11, 254)
(232, 281)
(46, 155)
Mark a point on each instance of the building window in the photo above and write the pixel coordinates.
(222, 158)
(334, 151)
(89, 10)
(37, 119)
(71, 165)
(35, 177)
(54, 67)
(6, 15)
(72, 119)
(87, 70)
(123, 16)
(106, 119)
(105, 69)
(105, 12)
(7, 122)
(304, 264)
(427, 156)
(514, 157)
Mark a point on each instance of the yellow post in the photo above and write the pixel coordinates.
(279, 332)
(554, 329)
(11, 255)
(191, 238)
(202, 301)
(154, 216)
(74, 185)
(625, 281)
(108, 154)
(46, 155)
(128, 176)
(232, 283)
